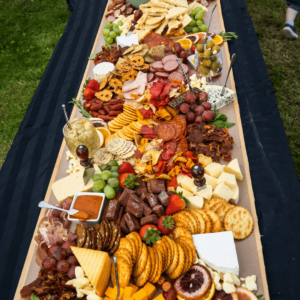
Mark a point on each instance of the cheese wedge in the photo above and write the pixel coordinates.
(210, 181)
(236, 195)
(72, 184)
(228, 179)
(186, 20)
(185, 193)
(174, 25)
(141, 22)
(188, 184)
(214, 170)
(180, 3)
(206, 193)
(161, 27)
(223, 191)
(196, 202)
(234, 168)
(96, 265)
(154, 20)
(179, 178)
(175, 12)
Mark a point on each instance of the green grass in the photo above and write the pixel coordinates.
(27, 40)
(283, 63)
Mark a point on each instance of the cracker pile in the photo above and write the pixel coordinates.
(173, 256)
(110, 87)
(134, 50)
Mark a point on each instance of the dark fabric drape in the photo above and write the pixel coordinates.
(26, 172)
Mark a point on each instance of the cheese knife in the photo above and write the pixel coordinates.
(117, 278)
(231, 63)
(209, 24)
(82, 152)
(178, 60)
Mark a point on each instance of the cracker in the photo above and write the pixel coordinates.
(141, 262)
(215, 220)
(168, 252)
(192, 220)
(201, 221)
(188, 256)
(155, 266)
(206, 219)
(123, 252)
(160, 247)
(174, 262)
(124, 272)
(239, 220)
(134, 251)
(159, 267)
(177, 272)
(144, 276)
(124, 243)
(180, 231)
(138, 240)
(213, 201)
(190, 244)
(102, 156)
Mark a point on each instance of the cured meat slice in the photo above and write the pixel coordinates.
(177, 76)
(171, 145)
(164, 75)
(152, 70)
(169, 56)
(155, 39)
(117, 13)
(165, 131)
(158, 57)
(150, 77)
(123, 8)
(185, 68)
(111, 19)
(171, 65)
(129, 85)
(129, 10)
(157, 65)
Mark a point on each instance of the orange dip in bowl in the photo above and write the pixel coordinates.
(88, 203)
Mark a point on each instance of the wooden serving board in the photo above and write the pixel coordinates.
(249, 251)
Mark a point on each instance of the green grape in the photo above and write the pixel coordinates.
(188, 29)
(193, 12)
(118, 189)
(112, 34)
(120, 23)
(196, 29)
(202, 20)
(114, 168)
(105, 175)
(119, 31)
(105, 31)
(199, 23)
(115, 25)
(105, 38)
(203, 28)
(97, 191)
(116, 30)
(109, 192)
(99, 185)
(113, 163)
(96, 177)
(110, 40)
(199, 15)
(114, 174)
(192, 23)
(108, 25)
(103, 167)
(113, 182)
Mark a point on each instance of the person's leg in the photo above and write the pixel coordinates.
(290, 16)
(291, 13)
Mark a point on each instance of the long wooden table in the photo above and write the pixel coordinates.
(249, 251)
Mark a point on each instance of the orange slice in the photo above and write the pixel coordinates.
(210, 293)
(218, 40)
(245, 294)
(105, 133)
(185, 43)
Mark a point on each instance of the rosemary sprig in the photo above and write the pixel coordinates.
(228, 36)
(81, 107)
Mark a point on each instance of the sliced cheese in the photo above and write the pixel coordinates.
(175, 12)
(214, 170)
(234, 168)
(223, 191)
(179, 178)
(196, 202)
(161, 28)
(96, 265)
(174, 25)
(181, 3)
(210, 181)
(218, 251)
(188, 183)
(236, 195)
(72, 184)
(228, 179)
(186, 20)
(206, 193)
(185, 193)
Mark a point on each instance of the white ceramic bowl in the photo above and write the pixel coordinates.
(88, 222)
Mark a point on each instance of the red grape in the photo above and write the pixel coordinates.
(66, 245)
(203, 96)
(189, 52)
(49, 263)
(184, 55)
(190, 116)
(62, 266)
(208, 116)
(198, 120)
(199, 110)
(72, 260)
(51, 250)
(59, 253)
(177, 48)
(168, 49)
(193, 106)
(190, 98)
(71, 272)
(184, 108)
(206, 105)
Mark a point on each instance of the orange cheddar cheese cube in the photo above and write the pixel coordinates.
(112, 293)
(140, 295)
(129, 291)
(150, 290)
(106, 298)
(135, 288)
(130, 298)
(159, 297)
(121, 294)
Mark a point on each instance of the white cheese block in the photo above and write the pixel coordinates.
(196, 202)
(185, 193)
(102, 70)
(211, 181)
(205, 193)
(223, 191)
(236, 195)
(72, 184)
(228, 179)
(188, 183)
(179, 178)
(234, 168)
(214, 170)
(218, 251)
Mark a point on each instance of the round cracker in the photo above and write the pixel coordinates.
(180, 231)
(138, 241)
(124, 243)
(192, 220)
(123, 252)
(188, 256)
(155, 266)
(144, 276)
(189, 243)
(134, 250)
(174, 262)
(168, 252)
(239, 220)
(159, 266)
(124, 272)
(177, 272)
(206, 219)
(179, 218)
(200, 219)
(215, 220)
(159, 247)
(141, 262)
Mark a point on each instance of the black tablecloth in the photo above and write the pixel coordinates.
(26, 172)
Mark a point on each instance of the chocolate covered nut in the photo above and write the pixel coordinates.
(156, 186)
(163, 198)
(159, 210)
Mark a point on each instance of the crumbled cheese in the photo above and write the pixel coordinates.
(250, 283)
(74, 163)
(244, 285)
(197, 83)
(236, 280)
(227, 278)
(228, 288)
(215, 52)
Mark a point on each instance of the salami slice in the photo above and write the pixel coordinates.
(164, 75)
(117, 13)
(111, 19)
(169, 57)
(157, 65)
(165, 131)
(171, 145)
(171, 66)
(158, 57)
(150, 77)
(177, 75)
(152, 70)
(185, 68)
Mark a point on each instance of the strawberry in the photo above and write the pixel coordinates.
(176, 203)
(127, 180)
(165, 224)
(93, 84)
(89, 94)
(193, 48)
(149, 234)
(126, 167)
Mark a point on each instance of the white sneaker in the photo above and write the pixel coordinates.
(290, 32)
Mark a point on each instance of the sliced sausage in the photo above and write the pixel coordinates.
(169, 57)
(152, 70)
(150, 77)
(123, 8)
(171, 66)
(164, 75)
(177, 75)
(157, 65)
(110, 13)
(185, 68)
(111, 19)
(111, 6)
(117, 13)
(129, 10)
(158, 57)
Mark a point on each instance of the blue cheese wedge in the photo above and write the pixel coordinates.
(218, 251)
(234, 168)
(214, 96)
